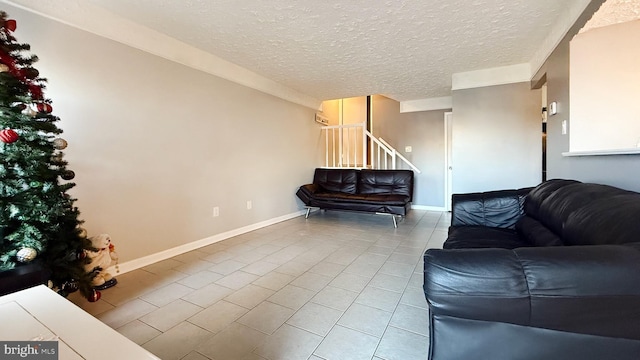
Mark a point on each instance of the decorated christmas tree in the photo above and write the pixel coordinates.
(38, 219)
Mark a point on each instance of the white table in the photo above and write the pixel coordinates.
(39, 313)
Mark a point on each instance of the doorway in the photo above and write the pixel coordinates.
(448, 163)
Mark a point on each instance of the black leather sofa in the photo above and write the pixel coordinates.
(551, 272)
(378, 191)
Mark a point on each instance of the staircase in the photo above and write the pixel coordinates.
(353, 146)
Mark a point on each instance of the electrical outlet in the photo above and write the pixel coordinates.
(249, 205)
(216, 211)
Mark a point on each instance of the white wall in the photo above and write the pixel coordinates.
(156, 145)
(497, 140)
(604, 88)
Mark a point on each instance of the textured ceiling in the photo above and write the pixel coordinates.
(614, 12)
(334, 49)
(405, 49)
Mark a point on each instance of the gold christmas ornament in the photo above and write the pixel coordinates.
(4, 68)
(57, 157)
(26, 255)
(82, 232)
(60, 143)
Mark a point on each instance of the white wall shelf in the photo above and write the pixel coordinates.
(631, 151)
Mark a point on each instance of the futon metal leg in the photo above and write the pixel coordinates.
(307, 215)
(395, 223)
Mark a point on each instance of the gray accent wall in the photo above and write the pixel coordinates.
(616, 170)
(156, 145)
(497, 138)
(424, 132)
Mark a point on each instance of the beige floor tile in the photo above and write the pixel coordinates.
(335, 298)
(274, 281)
(194, 267)
(366, 319)
(207, 295)
(345, 256)
(398, 344)
(406, 259)
(249, 257)
(266, 317)
(267, 249)
(379, 298)
(195, 356)
(346, 344)
(218, 257)
(191, 256)
(237, 280)
(260, 268)
(163, 265)
(292, 297)
(416, 281)
(250, 296)
(167, 294)
(289, 343)
(168, 277)
(234, 342)
(178, 341)
(126, 313)
(315, 318)
(218, 316)
(170, 315)
(227, 267)
(411, 318)
(138, 332)
(397, 269)
(350, 282)
(200, 279)
(381, 250)
(414, 297)
(93, 308)
(312, 281)
(335, 274)
(327, 269)
(293, 268)
(389, 282)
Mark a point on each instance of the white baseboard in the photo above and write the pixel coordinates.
(428, 208)
(169, 253)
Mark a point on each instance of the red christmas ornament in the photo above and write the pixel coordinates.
(94, 296)
(30, 73)
(44, 107)
(10, 25)
(9, 136)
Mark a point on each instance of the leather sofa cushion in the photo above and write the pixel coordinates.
(398, 182)
(383, 199)
(542, 192)
(500, 209)
(339, 180)
(555, 210)
(476, 237)
(612, 220)
(537, 234)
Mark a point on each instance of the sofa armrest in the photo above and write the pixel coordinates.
(306, 192)
(500, 209)
(583, 289)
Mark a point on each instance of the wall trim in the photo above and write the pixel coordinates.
(437, 103)
(91, 18)
(427, 208)
(490, 77)
(169, 253)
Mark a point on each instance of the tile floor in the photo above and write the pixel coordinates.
(338, 285)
